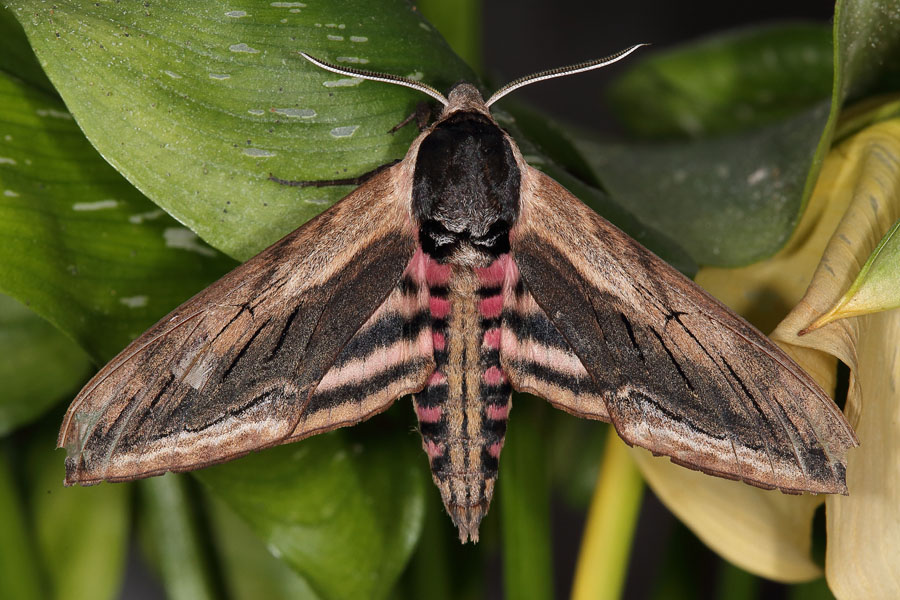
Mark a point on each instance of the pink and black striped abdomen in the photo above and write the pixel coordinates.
(463, 410)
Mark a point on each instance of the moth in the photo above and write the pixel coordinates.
(457, 275)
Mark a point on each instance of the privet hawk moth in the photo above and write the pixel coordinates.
(457, 275)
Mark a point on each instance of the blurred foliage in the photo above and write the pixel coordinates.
(136, 141)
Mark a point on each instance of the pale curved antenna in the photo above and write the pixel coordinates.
(385, 77)
(561, 72)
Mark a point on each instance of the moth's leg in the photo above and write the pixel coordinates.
(422, 115)
(358, 180)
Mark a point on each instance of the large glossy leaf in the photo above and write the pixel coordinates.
(81, 533)
(39, 365)
(197, 103)
(78, 244)
(727, 200)
(460, 24)
(730, 200)
(863, 176)
(346, 518)
(730, 82)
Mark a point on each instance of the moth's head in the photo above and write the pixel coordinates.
(465, 96)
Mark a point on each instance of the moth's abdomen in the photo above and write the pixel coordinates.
(463, 410)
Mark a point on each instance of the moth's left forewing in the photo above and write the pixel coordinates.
(679, 373)
(311, 334)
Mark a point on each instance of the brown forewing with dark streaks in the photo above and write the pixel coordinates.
(235, 368)
(681, 374)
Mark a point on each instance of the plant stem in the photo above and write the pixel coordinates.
(606, 546)
(525, 507)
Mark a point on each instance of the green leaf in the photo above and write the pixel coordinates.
(867, 49)
(729, 201)
(40, 365)
(525, 506)
(249, 570)
(80, 246)
(196, 104)
(16, 57)
(20, 576)
(733, 199)
(81, 533)
(460, 24)
(174, 541)
(345, 517)
(730, 82)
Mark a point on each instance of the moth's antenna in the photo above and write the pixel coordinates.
(561, 72)
(385, 77)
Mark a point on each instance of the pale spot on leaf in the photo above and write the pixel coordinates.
(346, 82)
(345, 131)
(242, 47)
(185, 239)
(299, 113)
(258, 152)
(134, 301)
(99, 205)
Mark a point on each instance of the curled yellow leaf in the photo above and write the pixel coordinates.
(875, 288)
(863, 553)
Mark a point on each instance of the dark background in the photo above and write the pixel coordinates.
(525, 36)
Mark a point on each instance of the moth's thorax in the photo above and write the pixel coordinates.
(465, 188)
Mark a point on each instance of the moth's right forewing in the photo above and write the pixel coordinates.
(680, 374)
(236, 368)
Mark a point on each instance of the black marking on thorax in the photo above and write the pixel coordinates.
(466, 189)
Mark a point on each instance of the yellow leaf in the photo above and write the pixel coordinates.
(764, 532)
(863, 554)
